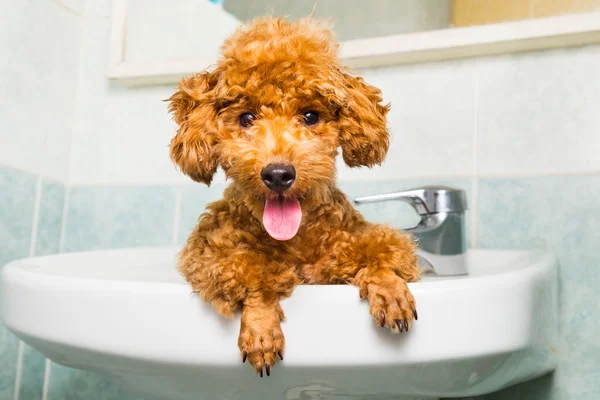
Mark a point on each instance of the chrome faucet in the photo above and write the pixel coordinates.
(441, 231)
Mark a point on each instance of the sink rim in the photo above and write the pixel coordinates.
(128, 327)
(27, 267)
(18, 278)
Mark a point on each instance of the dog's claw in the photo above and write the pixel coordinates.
(261, 343)
(416, 315)
(399, 325)
(244, 357)
(382, 319)
(406, 324)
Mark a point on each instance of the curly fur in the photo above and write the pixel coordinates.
(278, 70)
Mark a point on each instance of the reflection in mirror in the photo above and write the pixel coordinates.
(359, 19)
(354, 19)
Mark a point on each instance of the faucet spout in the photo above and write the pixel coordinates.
(412, 197)
(441, 231)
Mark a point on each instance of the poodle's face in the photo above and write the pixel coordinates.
(273, 114)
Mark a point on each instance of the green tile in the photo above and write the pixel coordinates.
(17, 197)
(17, 200)
(193, 203)
(74, 384)
(32, 374)
(117, 217)
(561, 214)
(50, 216)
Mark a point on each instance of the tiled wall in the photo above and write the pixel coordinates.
(30, 225)
(111, 122)
(39, 58)
(520, 133)
(561, 213)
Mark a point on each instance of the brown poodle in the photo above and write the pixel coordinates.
(272, 115)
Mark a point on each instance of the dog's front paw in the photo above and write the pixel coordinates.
(261, 340)
(390, 300)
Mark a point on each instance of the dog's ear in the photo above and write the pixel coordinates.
(194, 147)
(364, 136)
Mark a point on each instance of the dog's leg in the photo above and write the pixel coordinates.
(389, 262)
(380, 261)
(390, 300)
(223, 269)
(261, 339)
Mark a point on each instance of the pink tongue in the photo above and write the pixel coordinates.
(281, 218)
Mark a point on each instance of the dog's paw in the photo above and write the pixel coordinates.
(390, 300)
(261, 342)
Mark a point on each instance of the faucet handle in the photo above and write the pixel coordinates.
(425, 200)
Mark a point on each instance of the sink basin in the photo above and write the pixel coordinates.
(128, 315)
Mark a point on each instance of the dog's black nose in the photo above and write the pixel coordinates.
(278, 177)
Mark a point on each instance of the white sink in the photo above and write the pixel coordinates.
(128, 315)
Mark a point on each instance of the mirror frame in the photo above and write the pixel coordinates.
(408, 48)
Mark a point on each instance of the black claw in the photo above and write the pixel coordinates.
(399, 325)
(416, 315)
(280, 355)
(406, 324)
(244, 356)
(268, 369)
(261, 372)
(381, 319)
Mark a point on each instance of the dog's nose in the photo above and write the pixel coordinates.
(278, 177)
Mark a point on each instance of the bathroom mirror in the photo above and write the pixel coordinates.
(159, 41)
(354, 19)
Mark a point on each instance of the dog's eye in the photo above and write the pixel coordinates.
(247, 119)
(310, 117)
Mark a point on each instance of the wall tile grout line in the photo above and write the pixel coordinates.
(523, 175)
(63, 227)
(475, 183)
(30, 172)
(537, 175)
(46, 379)
(36, 216)
(474, 212)
(32, 243)
(61, 246)
(76, 100)
(176, 215)
(19, 368)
